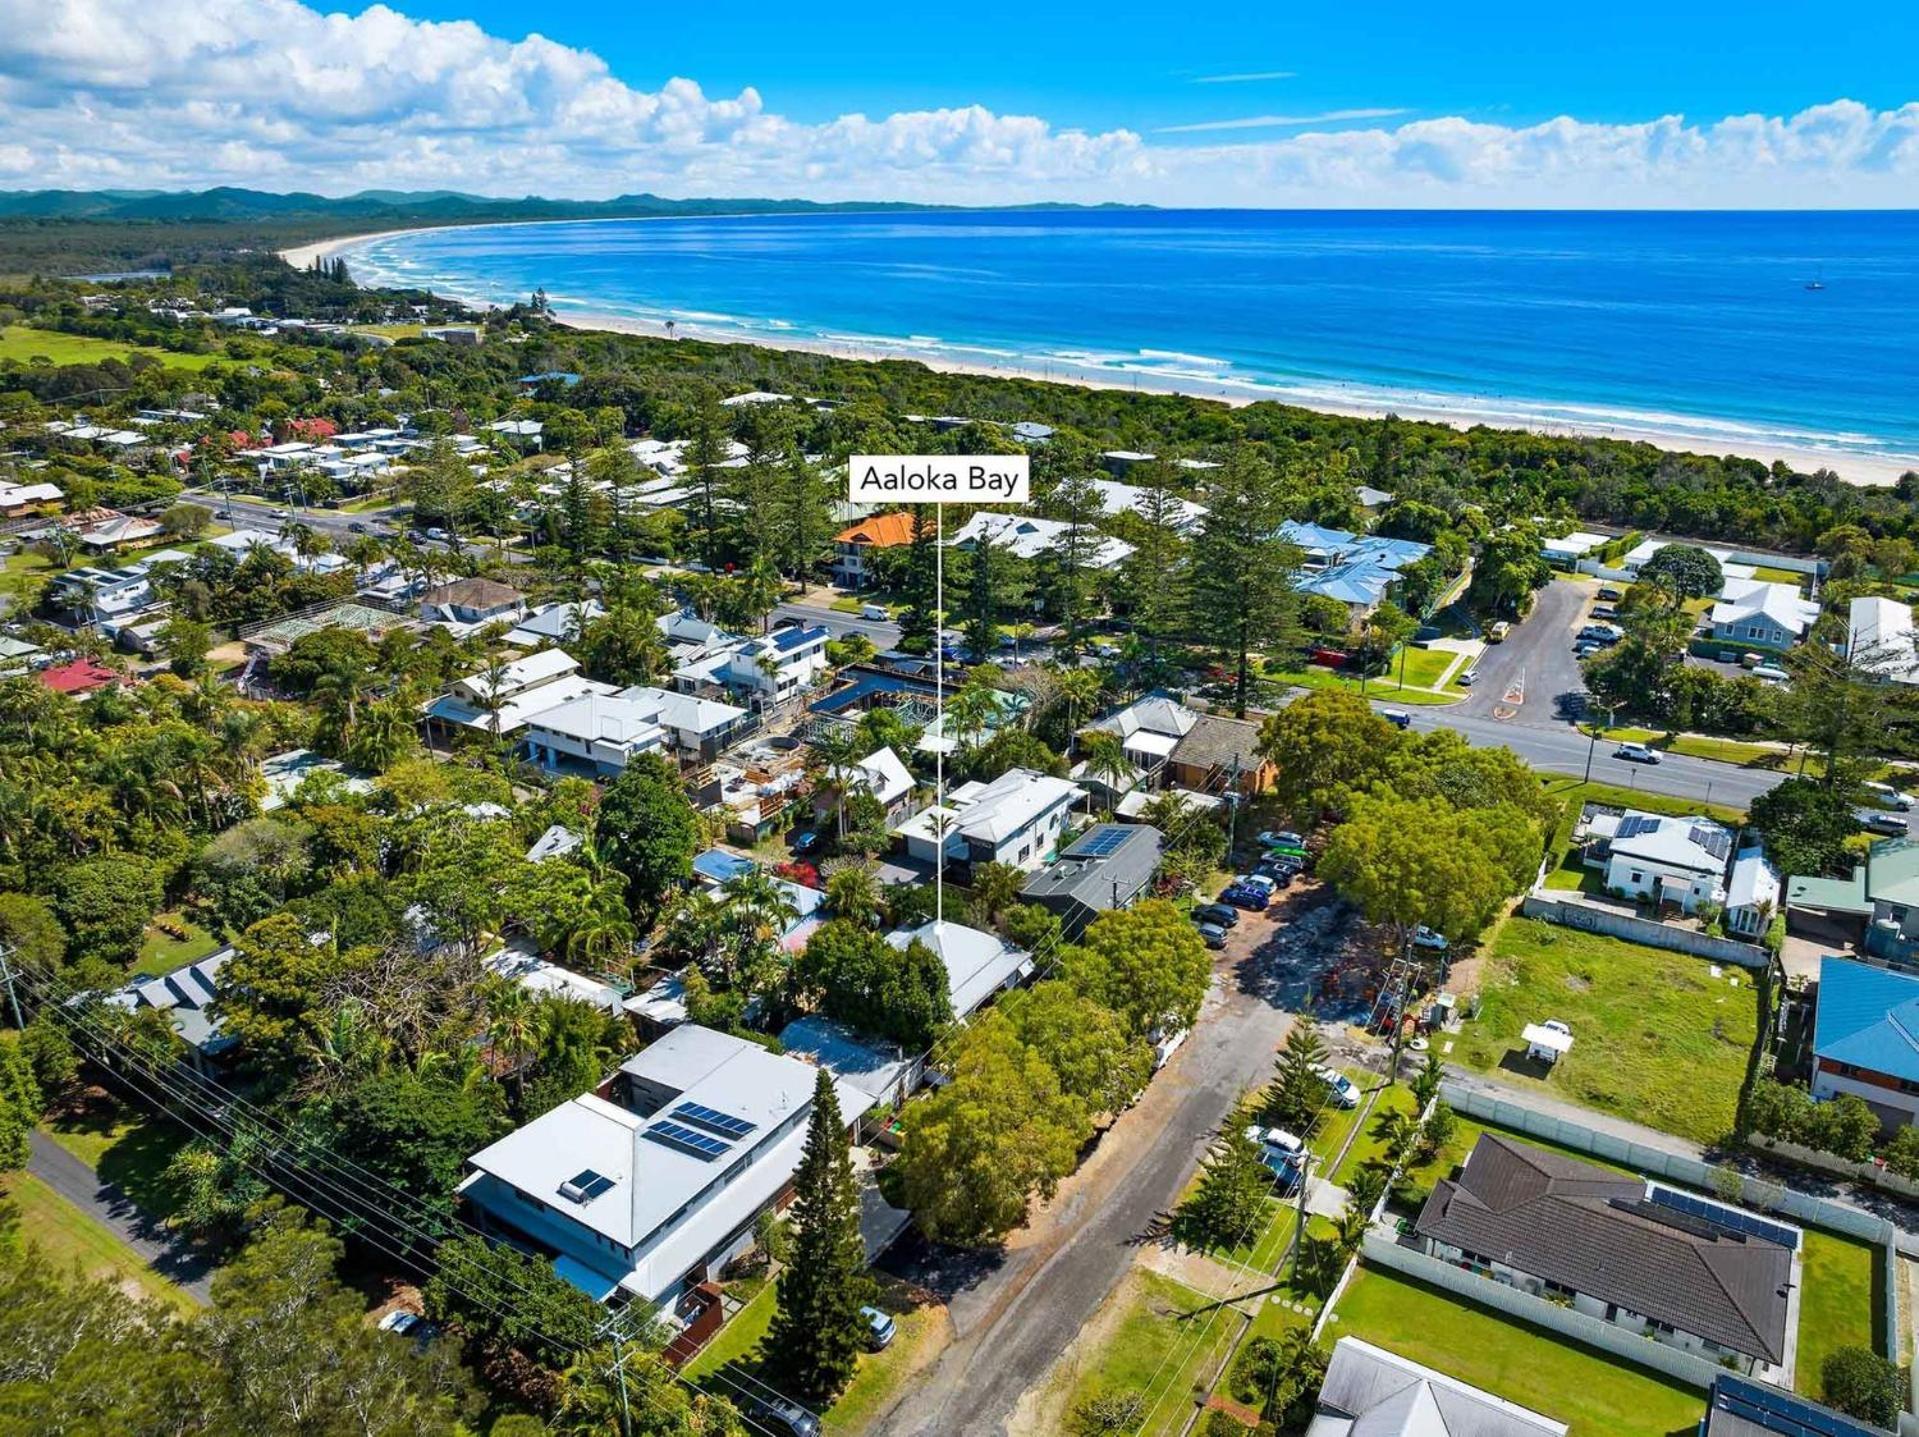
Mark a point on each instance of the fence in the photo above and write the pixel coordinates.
(1870, 1174)
(1590, 918)
(1382, 1250)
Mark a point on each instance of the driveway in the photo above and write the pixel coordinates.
(1015, 1310)
(81, 1185)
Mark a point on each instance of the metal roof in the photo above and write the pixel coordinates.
(1868, 1017)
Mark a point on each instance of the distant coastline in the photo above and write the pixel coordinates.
(1674, 433)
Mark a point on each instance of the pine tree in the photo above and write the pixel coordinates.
(1233, 1185)
(817, 1333)
(1298, 1092)
(920, 587)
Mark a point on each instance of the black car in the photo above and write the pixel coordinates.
(1218, 913)
(1278, 869)
(356, 527)
(776, 1414)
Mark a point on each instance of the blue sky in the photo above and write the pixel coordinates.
(1128, 64)
(1368, 103)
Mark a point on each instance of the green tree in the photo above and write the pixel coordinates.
(645, 829)
(105, 904)
(1326, 747)
(187, 643)
(817, 1331)
(1230, 1198)
(1861, 1383)
(1145, 963)
(507, 1300)
(976, 1150)
(859, 978)
(1806, 824)
(1243, 602)
(1085, 1043)
(1298, 1092)
(30, 933)
(1685, 570)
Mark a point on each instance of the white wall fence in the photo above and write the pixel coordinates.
(1724, 1183)
(1870, 1174)
(1383, 1251)
(1590, 918)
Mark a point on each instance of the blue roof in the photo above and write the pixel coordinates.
(1868, 1017)
(564, 376)
(1360, 582)
(717, 865)
(786, 640)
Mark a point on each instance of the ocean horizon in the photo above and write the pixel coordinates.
(1785, 335)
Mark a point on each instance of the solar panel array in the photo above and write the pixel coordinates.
(1634, 824)
(1101, 841)
(1774, 1410)
(1714, 840)
(686, 1140)
(1728, 1217)
(713, 1120)
(584, 1186)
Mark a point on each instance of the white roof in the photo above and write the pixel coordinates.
(519, 964)
(556, 842)
(1880, 638)
(1028, 538)
(555, 621)
(754, 396)
(993, 811)
(1693, 842)
(522, 673)
(885, 776)
(683, 711)
(607, 718)
(518, 710)
(1370, 1392)
(1154, 714)
(1118, 498)
(1781, 604)
(1754, 882)
(1551, 1039)
(978, 964)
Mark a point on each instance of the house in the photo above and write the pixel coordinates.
(978, 964)
(1566, 551)
(1116, 498)
(103, 596)
(766, 672)
(16, 499)
(80, 678)
(1119, 461)
(1148, 731)
(715, 868)
(884, 1070)
(1106, 867)
(283, 774)
(1641, 554)
(1742, 1407)
(1031, 538)
(1221, 752)
(1879, 639)
(1660, 858)
(519, 963)
(884, 774)
(473, 601)
(1370, 1392)
(458, 334)
(1757, 614)
(604, 731)
(1029, 431)
(1016, 819)
(652, 1184)
(17, 656)
(1753, 891)
(1865, 1038)
(556, 842)
(186, 996)
(853, 544)
(1360, 571)
(524, 434)
(506, 701)
(1688, 1272)
(555, 623)
(1881, 896)
(118, 532)
(528, 383)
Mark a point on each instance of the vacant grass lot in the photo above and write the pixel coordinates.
(1163, 1347)
(1423, 667)
(1656, 1038)
(1596, 1395)
(25, 345)
(1839, 1304)
(125, 1146)
(70, 1237)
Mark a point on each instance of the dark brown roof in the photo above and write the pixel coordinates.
(1215, 741)
(1593, 1230)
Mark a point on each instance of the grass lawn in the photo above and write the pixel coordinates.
(920, 1326)
(1312, 676)
(124, 1145)
(24, 344)
(1725, 750)
(1657, 1038)
(1369, 1147)
(22, 568)
(1154, 1352)
(69, 1236)
(1771, 575)
(1597, 1395)
(162, 952)
(1839, 1305)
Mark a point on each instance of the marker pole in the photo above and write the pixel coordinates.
(939, 715)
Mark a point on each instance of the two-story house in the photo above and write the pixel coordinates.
(764, 672)
(853, 544)
(1865, 1038)
(1016, 819)
(504, 700)
(649, 1185)
(1881, 898)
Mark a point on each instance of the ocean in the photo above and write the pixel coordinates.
(1789, 334)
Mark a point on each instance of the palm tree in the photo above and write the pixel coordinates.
(605, 929)
(1080, 688)
(973, 709)
(853, 894)
(493, 676)
(836, 747)
(512, 1027)
(1105, 760)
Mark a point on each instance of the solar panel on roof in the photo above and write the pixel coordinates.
(584, 1186)
(1100, 842)
(1774, 1410)
(1715, 841)
(699, 1145)
(713, 1120)
(1728, 1217)
(1634, 824)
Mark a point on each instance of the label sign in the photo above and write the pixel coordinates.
(938, 478)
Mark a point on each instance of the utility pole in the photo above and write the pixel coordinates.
(6, 976)
(1299, 1226)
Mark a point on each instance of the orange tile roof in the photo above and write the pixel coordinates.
(882, 531)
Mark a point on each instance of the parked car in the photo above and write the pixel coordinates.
(1886, 796)
(778, 1415)
(880, 1329)
(1398, 718)
(1469, 678)
(1497, 633)
(1603, 633)
(1280, 1151)
(1264, 882)
(1212, 935)
(437, 534)
(1242, 895)
(1424, 937)
(1603, 611)
(1344, 1091)
(1610, 594)
(805, 841)
(1281, 838)
(1636, 753)
(875, 611)
(1216, 913)
(1586, 648)
(1281, 873)
(409, 1324)
(1879, 821)
(356, 527)
(1771, 673)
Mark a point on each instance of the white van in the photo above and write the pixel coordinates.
(877, 612)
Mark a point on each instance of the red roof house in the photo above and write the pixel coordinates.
(80, 677)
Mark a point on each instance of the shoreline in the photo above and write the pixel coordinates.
(1673, 434)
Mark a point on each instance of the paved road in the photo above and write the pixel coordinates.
(1014, 1313)
(81, 1186)
(883, 633)
(1536, 661)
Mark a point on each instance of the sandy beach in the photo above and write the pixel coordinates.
(1670, 432)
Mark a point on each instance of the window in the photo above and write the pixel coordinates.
(1637, 876)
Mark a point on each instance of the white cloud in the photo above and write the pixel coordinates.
(1245, 78)
(277, 95)
(1278, 122)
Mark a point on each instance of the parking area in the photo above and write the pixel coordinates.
(1522, 679)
